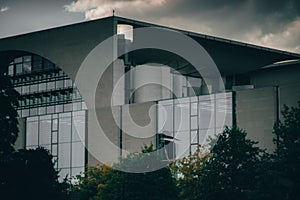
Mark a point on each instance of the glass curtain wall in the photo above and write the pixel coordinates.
(54, 111)
(192, 120)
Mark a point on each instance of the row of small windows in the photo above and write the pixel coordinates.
(29, 64)
(42, 87)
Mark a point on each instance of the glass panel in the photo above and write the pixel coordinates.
(77, 171)
(194, 122)
(64, 129)
(46, 146)
(54, 150)
(42, 110)
(60, 84)
(59, 108)
(182, 143)
(194, 108)
(68, 107)
(68, 83)
(50, 109)
(206, 114)
(19, 69)
(31, 133)
(64, 173)
(54, 124)
(27, 67)
(42, 86)
(11, 70)
(54, 137)
(78, 126)
(25, 89)
(165, 118)
(33, 111)
(50, 85)
(45, 132)
(25, 112)
(77, 154)
(18, 60)
(34, 88)
(182, 117)
(223, 112)
(205, 134)
(64, 152)
(194, 136)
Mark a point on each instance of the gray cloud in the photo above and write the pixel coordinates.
(4, 8)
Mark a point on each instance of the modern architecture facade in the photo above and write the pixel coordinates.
(143, 94)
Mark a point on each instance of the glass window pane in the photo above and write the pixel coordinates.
(182, 143)
(11, 70)
(50, 109)
(223, 112)
(60, 84)
(77, 171)
(194, 136)
(50, 85)
(64, 152)
(45, 131)
(78, 126)
(27, 67)
(64, 129)
(182, 116)
(19, 69)
(34, 88)
(68, 83)
(42, 110)
(54, 150)
(206, 114)
(194, 108)
(67, 107)
(32, 133)
(25, 89)
(165, 118)
(54, 124)
(64, 173)
(54, 137)
(77, 154)
(194, 122)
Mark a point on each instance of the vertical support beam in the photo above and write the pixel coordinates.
(277, 112)
(234, 108)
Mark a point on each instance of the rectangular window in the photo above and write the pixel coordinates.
(45, 132)
(19, 69)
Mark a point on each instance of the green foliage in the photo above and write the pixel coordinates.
(280, 178)
(188, 171)
(117, 185)
(88, 184)
(30, 174)
(8, 116)
(231, 171)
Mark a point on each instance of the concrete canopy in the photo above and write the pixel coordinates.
(67, 47)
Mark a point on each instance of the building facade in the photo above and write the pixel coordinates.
(141, 95)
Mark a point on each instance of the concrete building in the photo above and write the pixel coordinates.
(142, 92)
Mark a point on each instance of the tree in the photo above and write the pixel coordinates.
(188, 171)
(230, 172)
(8, 116)
(30, 174)
(118, 185)
(280, 178)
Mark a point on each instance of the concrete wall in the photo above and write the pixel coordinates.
(138, 126)
(255, 113)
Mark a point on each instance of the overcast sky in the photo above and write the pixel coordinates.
(269, 23)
